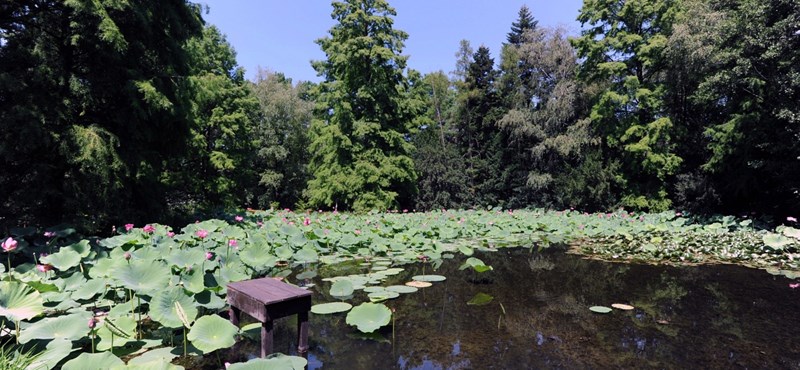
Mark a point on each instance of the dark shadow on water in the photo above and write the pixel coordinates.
(685, 317)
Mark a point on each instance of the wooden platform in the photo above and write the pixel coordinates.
(268, 299)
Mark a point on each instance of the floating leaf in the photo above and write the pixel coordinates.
(480, 299)
(277, 361)
(368, 317)
(467, 251)
(401, 289)
(329, 308)
(622, 306)
(120, 329)
(476, 264)
(429, 278)
(93, 361)
(65, 259)
(341, 288)
(19, 301)
(382, 296)
(418, 284)
(600, 309)
(776, 241)
(211, 333)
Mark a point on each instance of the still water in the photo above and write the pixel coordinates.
(684, 317)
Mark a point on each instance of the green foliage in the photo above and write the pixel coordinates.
(623, 46)
(281, 138)
(359, 139)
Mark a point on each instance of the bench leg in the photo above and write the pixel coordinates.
(302, 332)
(233, 314)
(266, 338)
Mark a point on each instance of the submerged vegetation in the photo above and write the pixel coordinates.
(151, 293)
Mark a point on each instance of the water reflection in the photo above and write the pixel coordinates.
(685, 317)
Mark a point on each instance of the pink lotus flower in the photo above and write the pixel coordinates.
(306, 221)
(128, 227)
(357, 231)
(9, 245)
(202, 234)
(794, 286)
(126, 255)
(260, 224)
(239, 218)
(148, 229)
(92, 323)
(209, 256)
(170, 234)
(791, 219)
(233, 243)
(49, 234)
(44, 267)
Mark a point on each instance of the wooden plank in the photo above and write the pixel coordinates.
(268, 290)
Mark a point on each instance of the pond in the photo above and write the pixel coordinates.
(717, 316)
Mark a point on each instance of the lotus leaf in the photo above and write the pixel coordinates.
(306, 255)
(211, 333)
(476, 264)
(166, 354)
(368, 317)
(480, 299)
(209, 300)
(622, 306)
(119, 330)
(173, 308)
(600, 309)
(144, 276)
(93, 361)
(429, 278)
(55, 351)
(329, 308)
(382, 296)
(19, 302)
(277, 361)
(341, 288)
(418, 284)
(89, 289)
(257, 256)
(184, 258)
(776, 241)
(401, 289)
(65, 259)
(71, 327)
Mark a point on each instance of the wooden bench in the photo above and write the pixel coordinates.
(268, 299)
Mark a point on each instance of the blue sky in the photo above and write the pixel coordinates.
(279, 34)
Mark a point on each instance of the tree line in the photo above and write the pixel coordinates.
(117, 111)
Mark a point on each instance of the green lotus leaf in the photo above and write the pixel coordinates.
(144, 277)
(72, 327)
(173, 308)
(467, 251)
(55, 351)
(341, 288)
(211, 333)
(183, 258)
(119, 330)
(89, 289)
(373, 289)
(401, 289)
(277, 361)
(93, 361)
(193, 281)
(257, 256)
(209, 300)
(164, 355)
(476, 265)
(284, 252)
(382, 296)
(368, 317)
(310, 274)
(429, 278)
(791, 232)
(600, 309)
(106, 267)
(480, 299)
(19, 302)
(329, 308)
(306, 255)
(152, 365)
(776, 241)
(65, 259)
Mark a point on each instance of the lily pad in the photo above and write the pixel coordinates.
(329, 308)
(418, 284)
(368, 317)
(429, 278)
(278, 361)
(341, 288)
(600, 309)
(71, 327)
(622, 306)
(211, 333)
(382, 296)
(480, 299)
(166, 354)
(19, 301)
(401, 289)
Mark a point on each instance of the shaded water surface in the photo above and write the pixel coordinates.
(685, 317)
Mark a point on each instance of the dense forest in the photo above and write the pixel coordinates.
(117, 111)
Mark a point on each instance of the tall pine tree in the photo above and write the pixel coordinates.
(361, 153)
